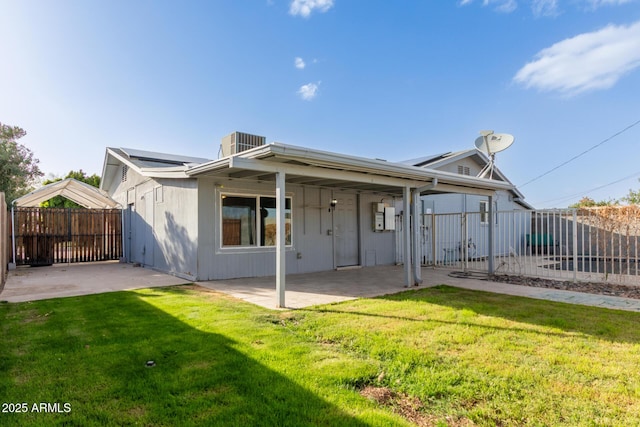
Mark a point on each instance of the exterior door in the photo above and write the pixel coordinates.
(345, 230)
(148, 229)
(142, 230)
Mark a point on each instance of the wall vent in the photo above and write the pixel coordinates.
(463, 170)
(240, 141)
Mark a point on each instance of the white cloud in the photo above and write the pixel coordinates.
(545, 7)
(506, 6)
(309, 91)
(299, 63)
(305, 7)
(594, 4)
(585, 62)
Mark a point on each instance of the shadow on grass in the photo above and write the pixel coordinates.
(94, 353)
(607, 324)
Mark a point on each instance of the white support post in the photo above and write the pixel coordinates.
(406, 229)
(280, 239)
(415, 215)
(574, 245)
(492, 224)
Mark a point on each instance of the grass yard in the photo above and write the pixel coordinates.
(440, 356)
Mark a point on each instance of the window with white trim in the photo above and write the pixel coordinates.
(251, 220)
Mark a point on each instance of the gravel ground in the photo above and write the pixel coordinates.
(587, 287)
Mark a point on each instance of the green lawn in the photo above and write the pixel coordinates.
(456, 357)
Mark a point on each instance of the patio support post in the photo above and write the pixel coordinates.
(406, 229)
(280, 239)
(574, 231)
(492, 223)
(416, 217)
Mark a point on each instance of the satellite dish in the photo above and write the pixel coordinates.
(492, 143)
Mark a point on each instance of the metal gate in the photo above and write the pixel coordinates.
(44, 236)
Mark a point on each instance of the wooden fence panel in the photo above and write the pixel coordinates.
(4, 240)
(49, 235)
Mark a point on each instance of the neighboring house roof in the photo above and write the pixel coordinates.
(441, 160)
(72, 189)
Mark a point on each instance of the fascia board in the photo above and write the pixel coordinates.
(319, 172)
(211, 166)
(394, 174)
(380, 166)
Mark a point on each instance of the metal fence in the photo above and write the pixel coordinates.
(595, 244)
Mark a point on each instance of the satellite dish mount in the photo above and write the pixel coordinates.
(492, 143)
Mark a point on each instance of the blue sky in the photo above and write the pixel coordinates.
(374, 78)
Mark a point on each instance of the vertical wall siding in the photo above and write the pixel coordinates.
(161, 222)
(312, 248)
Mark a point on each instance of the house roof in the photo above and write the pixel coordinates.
(302, 166)
(72, 189)
(314, 167)
(440, 160)
(146, 163)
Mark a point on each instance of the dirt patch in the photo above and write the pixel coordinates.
(411, 408)
(597, 288)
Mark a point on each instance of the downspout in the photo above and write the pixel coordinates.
(122, 234)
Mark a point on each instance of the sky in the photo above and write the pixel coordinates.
(370, 78)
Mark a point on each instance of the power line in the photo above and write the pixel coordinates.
(581, 154)
(582, 193)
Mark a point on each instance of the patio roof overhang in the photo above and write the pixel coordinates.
(303, 166)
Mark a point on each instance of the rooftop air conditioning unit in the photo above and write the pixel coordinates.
(240, 141)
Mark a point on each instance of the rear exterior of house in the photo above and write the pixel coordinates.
(216, 219)
(206, 229)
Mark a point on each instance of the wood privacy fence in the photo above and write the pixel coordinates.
(4, 240)
(44, 236)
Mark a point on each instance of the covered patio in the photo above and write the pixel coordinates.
(283, 164)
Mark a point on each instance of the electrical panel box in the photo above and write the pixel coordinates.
(389, 218)
(378, 221)
(383, 217)
(378, 216)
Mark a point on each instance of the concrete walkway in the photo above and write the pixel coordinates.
(64, 280)
(569, 297)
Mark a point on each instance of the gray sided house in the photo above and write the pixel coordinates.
(274, 209)
(455, 228)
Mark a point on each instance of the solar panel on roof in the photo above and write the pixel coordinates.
(161, 157)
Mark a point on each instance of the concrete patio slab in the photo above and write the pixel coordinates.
(303, 290)
(64, 280)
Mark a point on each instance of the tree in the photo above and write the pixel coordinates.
(633, 197)
(588, 202)
(18, 168)
(62, 202)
